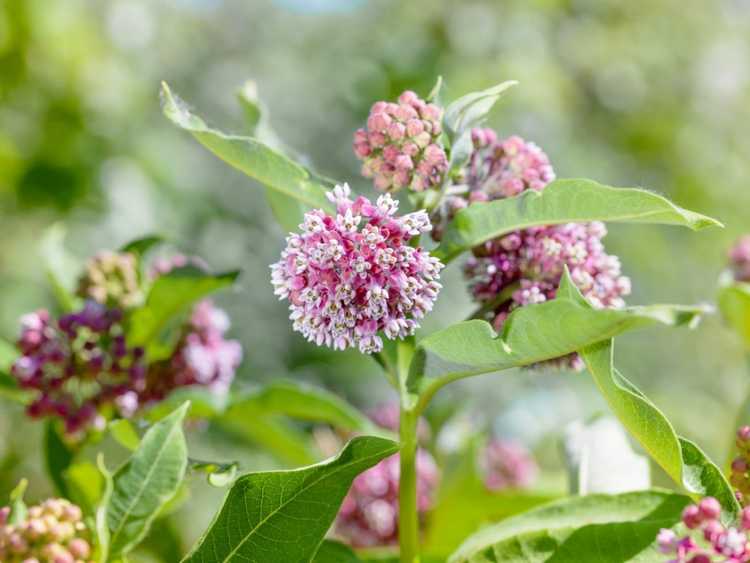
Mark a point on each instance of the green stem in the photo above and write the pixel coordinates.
(501, 298)
(408, 517)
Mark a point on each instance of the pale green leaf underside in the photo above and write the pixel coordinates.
(248, 155)
(471, 109)
(147, 482)
(734, 303)
(284, 515)
(681, 459)
(562, 201)
(533, 334)
(593, 528)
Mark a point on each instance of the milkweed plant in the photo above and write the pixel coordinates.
(137, 350)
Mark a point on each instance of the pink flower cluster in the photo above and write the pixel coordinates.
(112, 279)
(203, 356)
(400, 146)
(525, 267)
(78, 365)
(53, 532)
(740, 474)
(507, 465)
(707, 540)
(369, 514)
(350, 276)
(739, 258)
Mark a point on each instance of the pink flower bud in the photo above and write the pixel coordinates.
(403, 162)
(691, 516)
(408, 97)
(710, 509)
(378, 122)
(414, 127)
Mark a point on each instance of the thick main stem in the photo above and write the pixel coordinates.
(408, 526)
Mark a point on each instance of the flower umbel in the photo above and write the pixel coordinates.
(349, 276)
(111, 279)
(53, 532)
(400, 146)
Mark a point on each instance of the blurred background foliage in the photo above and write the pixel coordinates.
(654, 93)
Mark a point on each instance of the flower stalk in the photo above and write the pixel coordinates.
(408, 515)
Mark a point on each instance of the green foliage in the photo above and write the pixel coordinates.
(58, 456)
(249, 155)
(681, 459)
(335, 552)
(562, 201)
(217, 474)
(169, 298)
(18, 508)
(141, 246)
(146, 483)
(530, 335)
(124, 433)
(85, 485)
(589, 529)
(734, 303)
(284, 515)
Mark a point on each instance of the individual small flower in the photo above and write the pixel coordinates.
(112, 279)
(53, 532)
(202, 357)
(350, 276)
(400, 146)
(739, 258)
(78, 365)
(707, 540)
(507, 465)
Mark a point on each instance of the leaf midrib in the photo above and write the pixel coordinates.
(290, 499)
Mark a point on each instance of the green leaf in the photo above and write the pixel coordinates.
(530, 335)
(147, 482)
(284, 515)
(18, 510)
(470, 110)
(302, 402)
(61, 268)
(249, 155)
(141, 246)
(85, 484)
(58, 456)
(170, 296)
(217, 474)
(589, 529)
(102, 511)
(335, 552)
(204, 403)
(124, 433)
(681, 459)
(562, 201)
(734, 304)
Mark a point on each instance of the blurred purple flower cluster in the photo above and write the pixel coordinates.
(507, 465)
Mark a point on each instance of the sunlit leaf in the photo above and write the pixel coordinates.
(18, 510)
(562, 201)
(146, 482)
(734, 303)
(249, 155)
(124, 433)
(284, 515)
(589, 529)
(471, 110)
(85, 485)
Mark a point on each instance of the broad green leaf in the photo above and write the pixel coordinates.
(102, 512)
(217, 474)
(146, 482)
(470, 110)
(464, 505)
(562, 201)
(18, 510)
(530, 335)
(589, 529)
(61, 268)
(85, 484)
(734, 303)
(681, 459)
(302, 402)
(124, 433)
(284, 515)
(170, 296)
(335, 552)
(58, 456)
(141, 246)
(249, 155)
(204, 403)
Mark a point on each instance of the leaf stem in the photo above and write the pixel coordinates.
(408, 516)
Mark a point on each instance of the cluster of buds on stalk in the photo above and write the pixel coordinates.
(84, 370)
(739, 259)
(52, 532)
(400, 147)
(707, 540)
